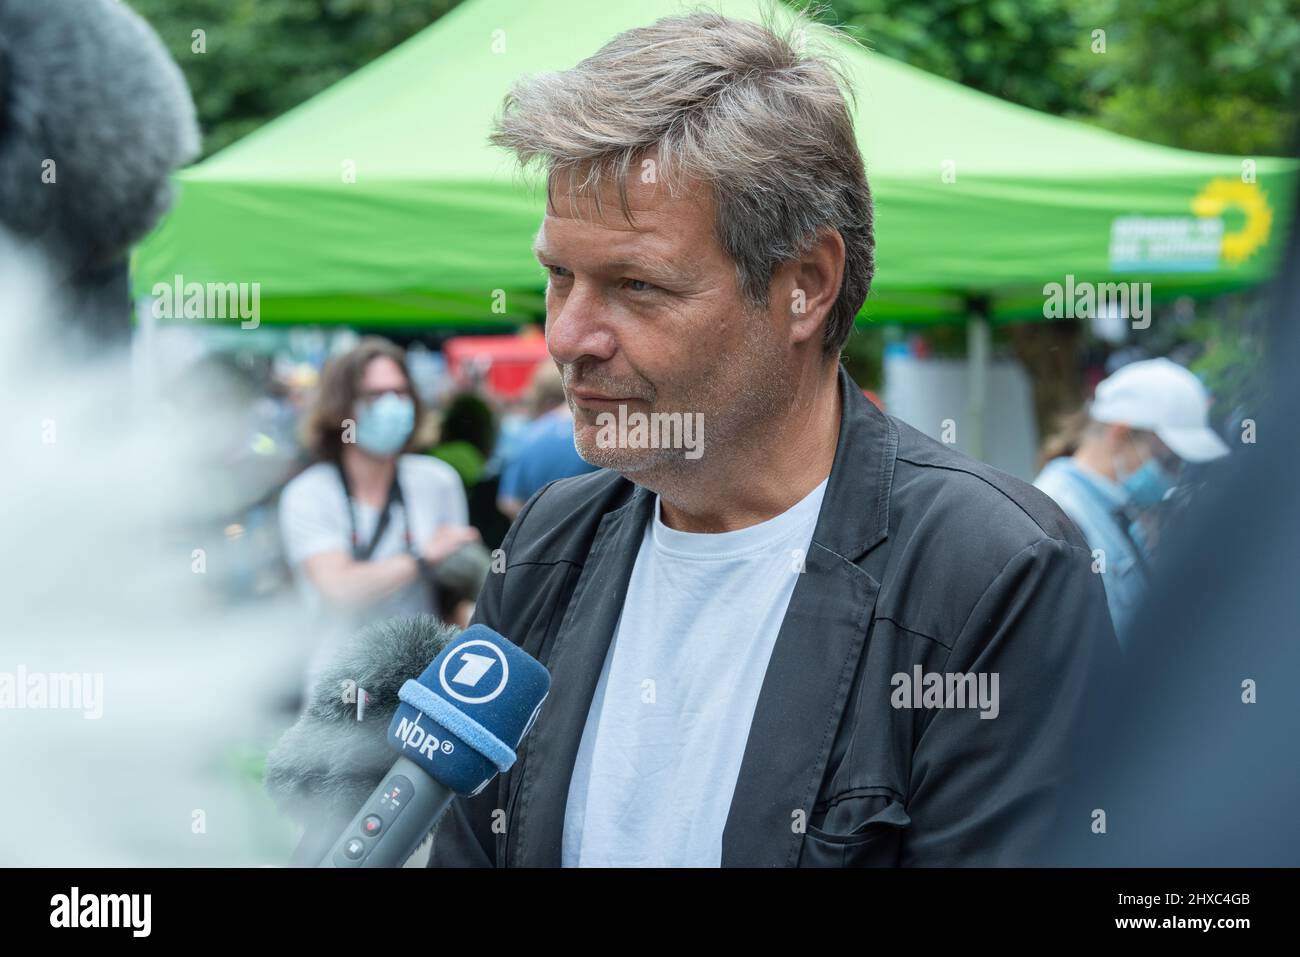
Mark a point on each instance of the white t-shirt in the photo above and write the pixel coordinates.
(666, 731)
(314, 519)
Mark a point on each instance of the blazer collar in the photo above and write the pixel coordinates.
(855, 512)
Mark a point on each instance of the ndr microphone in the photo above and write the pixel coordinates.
(455, 730)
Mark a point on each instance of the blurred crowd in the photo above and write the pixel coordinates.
(371, 492)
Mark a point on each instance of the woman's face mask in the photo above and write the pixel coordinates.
(385, 424)
(1149, 482)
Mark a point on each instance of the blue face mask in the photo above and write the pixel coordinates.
(384, 424)
(1148, 485)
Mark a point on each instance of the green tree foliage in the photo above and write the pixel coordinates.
(1013, 49)
(1214, 75)
(264, 57)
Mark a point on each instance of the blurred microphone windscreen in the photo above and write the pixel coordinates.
(327, 764)
(94, 117)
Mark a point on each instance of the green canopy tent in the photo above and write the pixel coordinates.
(379, 201)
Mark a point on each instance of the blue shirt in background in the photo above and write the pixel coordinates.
(1097, 505)
(545, 453)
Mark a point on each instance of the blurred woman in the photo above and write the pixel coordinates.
(366, 527)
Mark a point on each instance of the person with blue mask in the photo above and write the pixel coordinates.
(367, 526)
(1146, 422)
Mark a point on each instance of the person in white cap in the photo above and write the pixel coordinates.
(1145, 422)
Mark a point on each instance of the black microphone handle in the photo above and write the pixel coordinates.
(398, 815)
(318, 839)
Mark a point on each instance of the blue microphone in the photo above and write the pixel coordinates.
(456, 729)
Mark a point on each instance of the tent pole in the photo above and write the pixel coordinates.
(979, 341)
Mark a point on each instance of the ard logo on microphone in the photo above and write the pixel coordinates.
(474, 676)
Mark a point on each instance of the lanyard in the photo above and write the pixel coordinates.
(1121, 517)
(360, 553)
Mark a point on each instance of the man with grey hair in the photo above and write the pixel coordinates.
(815, 637)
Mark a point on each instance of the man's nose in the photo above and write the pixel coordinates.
(576, 328)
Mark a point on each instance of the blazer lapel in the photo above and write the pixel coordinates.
(818, 648)
(536, 826)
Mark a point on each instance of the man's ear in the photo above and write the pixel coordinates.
(810, 285)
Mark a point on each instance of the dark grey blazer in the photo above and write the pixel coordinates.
(921, 556)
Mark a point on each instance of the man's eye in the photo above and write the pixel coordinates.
(639, 285)
(559, 272)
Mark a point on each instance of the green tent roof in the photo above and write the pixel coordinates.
(973, 195)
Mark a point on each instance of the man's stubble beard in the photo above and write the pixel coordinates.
(738, 420)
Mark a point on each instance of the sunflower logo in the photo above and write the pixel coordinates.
(1223, 194)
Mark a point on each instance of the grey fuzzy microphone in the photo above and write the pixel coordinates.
(325, 766)
(88, 85)
(94, 117)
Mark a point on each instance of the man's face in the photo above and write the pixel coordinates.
(651, 317)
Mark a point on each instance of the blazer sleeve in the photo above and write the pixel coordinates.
(464, 837)
(985, 791)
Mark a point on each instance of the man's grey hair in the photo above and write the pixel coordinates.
(742, 107)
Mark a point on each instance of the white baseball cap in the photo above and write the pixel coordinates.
(1161, 396)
